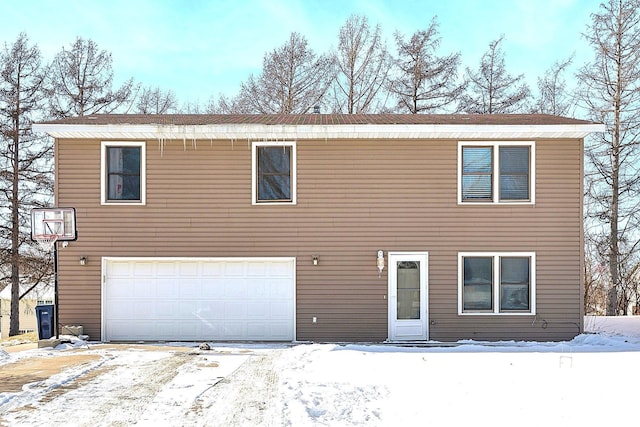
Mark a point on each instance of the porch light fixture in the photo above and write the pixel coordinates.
(315, 259)
(83, 260)
(380, 262)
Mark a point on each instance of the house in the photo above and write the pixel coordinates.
(322, 227)
(26, 308)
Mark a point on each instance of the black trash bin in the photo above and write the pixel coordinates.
(44, 319)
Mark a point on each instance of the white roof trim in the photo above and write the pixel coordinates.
(300, 132)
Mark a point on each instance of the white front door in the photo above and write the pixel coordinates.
(408, 276)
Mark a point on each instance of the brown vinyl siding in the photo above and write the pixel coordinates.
(353, 199)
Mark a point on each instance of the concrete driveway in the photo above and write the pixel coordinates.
(123, 384)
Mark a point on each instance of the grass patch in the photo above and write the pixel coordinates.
(19, 339)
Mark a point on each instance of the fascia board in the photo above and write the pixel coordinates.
(301, 132)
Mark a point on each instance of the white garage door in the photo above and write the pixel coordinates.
(199, 299)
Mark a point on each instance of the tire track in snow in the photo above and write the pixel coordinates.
(117, 397)
(245, 398)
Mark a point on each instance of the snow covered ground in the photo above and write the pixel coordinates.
(590, 380)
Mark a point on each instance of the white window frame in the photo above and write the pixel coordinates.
(496, 283)
(496, 172)
(254, 171)
(103, 172)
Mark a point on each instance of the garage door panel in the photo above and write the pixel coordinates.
(212, 269)
(257, 290)
(279, 330)
(142, 288)
(120, 268)
(122, 310)
(165, 309)
(142, 270)
(235, 288)
(232, 269)
(280, 269)
(211, 309)
(280, 310)
(258, 310)
(190, 330)
(234, 330)
(144, 330)
(166, 289)
(235, 310)
(199, 299)
(257, 269)
(187, 288)
(187, 269)
(278, 290)
(120, 287)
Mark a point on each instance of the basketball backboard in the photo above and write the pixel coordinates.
(53, 223)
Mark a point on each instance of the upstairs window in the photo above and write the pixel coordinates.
(496, 172)
(274, 173)
(123, 173)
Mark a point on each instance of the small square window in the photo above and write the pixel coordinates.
(274, 173)
(123, 173)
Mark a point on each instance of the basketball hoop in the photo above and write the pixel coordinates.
(52, 229)
(46, 241)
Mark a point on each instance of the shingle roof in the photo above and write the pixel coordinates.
(317, 119)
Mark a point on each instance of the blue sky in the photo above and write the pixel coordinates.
(201, 48)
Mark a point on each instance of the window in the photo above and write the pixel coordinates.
(123, 173)
(496, 172)
(496, 283)
(274, 173)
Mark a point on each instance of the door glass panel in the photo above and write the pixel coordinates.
(408, 284)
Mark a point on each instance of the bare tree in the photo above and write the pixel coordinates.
(293, 80)
(610, 91)
(595, 278)
(25, 158)
(491, 90)
(226, 105)
(155, 101)
(553, 97)
(81, 80)
(425, 82)
(362, 65)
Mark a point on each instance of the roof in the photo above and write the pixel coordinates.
(40, 292)
(317, 126)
